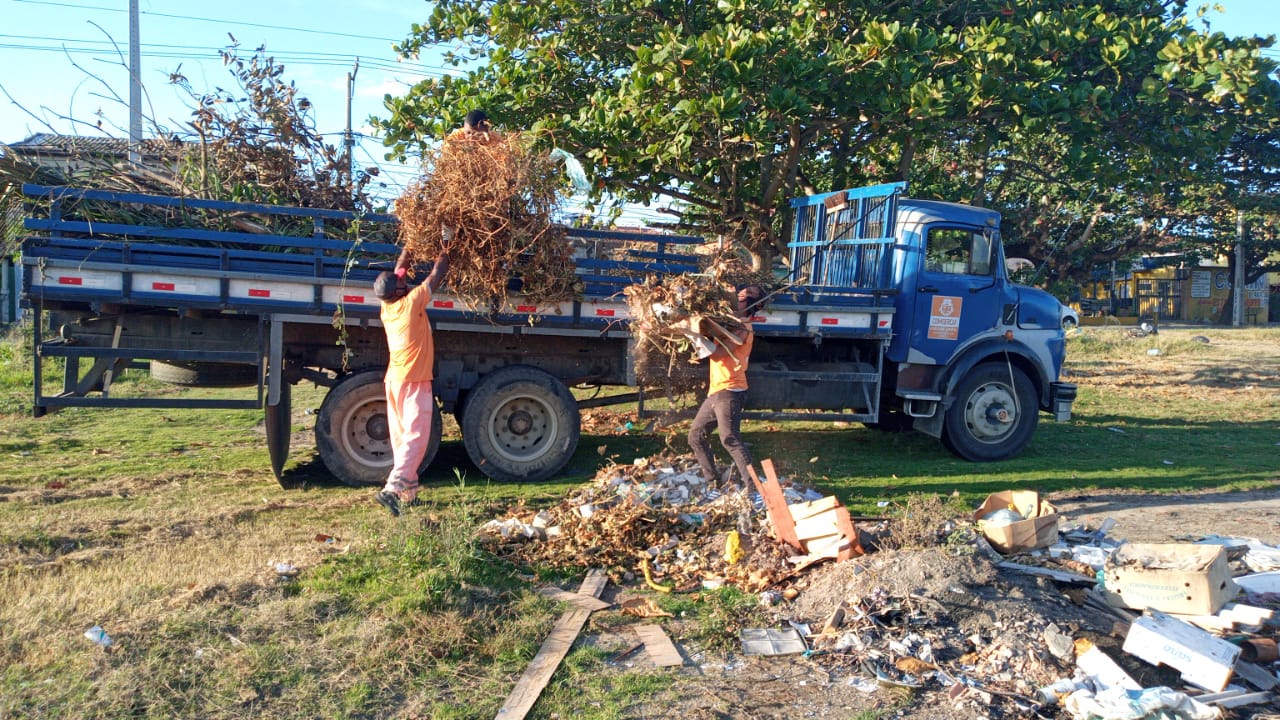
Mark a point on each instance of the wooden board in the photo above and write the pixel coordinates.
(578, 599)
(658, 647)
(554, 648)
(775, 504)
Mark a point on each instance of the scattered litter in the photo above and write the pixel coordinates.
(771, 641)
(1172, 577)
(1022, 521)
(1120, 704)
(1204, 660)
(864, 684)
(99, 636)
(644, 608)
(284, 569)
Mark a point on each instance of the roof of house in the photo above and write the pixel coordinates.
(50, 143)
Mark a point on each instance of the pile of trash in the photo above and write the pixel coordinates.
(657, 518)
(1008, 614)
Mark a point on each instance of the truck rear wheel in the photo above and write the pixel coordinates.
(994, 414)
(520, 424)
(352, 434)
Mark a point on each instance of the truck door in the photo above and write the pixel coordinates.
(959, 291)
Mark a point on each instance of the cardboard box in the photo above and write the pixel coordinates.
(1204, 660)
(1038, 529)
(1181, 578)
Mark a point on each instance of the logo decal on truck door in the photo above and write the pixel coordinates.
(944, 318)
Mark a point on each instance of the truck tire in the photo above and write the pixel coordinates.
(204, 374)
(520, 424)
(994, 414)
(352, 434)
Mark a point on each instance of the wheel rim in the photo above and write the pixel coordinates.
(991, 412)
(522, 429)
(365, 435)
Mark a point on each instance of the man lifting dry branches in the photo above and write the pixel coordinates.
(410, 402)
(726, 395)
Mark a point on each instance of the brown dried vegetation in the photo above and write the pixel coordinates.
(661, 309)
(498, 196)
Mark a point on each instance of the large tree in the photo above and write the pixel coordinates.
(734, 106)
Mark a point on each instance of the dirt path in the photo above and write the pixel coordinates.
(1163, 518)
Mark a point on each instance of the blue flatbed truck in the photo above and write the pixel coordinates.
(896, 313)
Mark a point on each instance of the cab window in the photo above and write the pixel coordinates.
(962, 252)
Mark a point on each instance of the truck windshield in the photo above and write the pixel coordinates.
(959, 251)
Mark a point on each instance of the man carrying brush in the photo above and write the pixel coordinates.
(726, 395)
(410, 402)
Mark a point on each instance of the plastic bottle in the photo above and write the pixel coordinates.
(98, 636)
(1052, 694)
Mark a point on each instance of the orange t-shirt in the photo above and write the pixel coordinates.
(409, 337)
(729, 367)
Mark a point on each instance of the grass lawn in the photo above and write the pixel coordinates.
(228, 596)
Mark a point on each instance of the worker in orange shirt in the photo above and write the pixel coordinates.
(410, 402)
(475, 128)
(726, 394)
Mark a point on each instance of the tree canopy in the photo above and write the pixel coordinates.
(1074, 119)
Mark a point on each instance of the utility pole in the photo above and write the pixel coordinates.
(350, 141)
(135, 87)
(1237, 282)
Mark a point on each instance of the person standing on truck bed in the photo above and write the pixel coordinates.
(475, 128)
(410, 402)
(726, 394)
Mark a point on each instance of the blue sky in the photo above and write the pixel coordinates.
(57, 58)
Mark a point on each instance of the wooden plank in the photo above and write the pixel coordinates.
(775, 504)
(845, 524)
(579, 600)
(658, 647)
(554, 648)
(816, 526)
(802, 510)
(1058, 575)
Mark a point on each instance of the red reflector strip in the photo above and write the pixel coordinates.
(258, 292)
(168, 287)
(64, 280)
(884, 323)
(446, 304)
(353, 298)
(830, 321)
(527, 308)
(759, 319)
(603, 313)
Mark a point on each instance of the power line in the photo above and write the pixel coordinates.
(199, 52)
(80, 6)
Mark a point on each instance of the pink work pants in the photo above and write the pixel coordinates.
(410, 407)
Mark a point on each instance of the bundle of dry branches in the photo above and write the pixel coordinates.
(498, 197)
(665, 313)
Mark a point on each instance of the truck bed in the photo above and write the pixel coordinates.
(72, 262)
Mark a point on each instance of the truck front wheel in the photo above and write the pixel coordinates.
(520, 424)
(993, 416)
(352, 434)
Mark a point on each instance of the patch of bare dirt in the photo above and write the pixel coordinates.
(1145, 517)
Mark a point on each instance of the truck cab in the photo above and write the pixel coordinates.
(969, 356)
